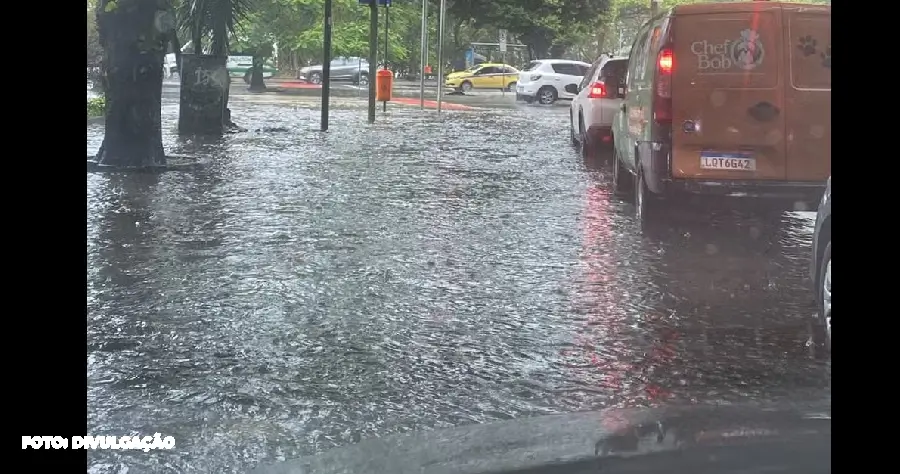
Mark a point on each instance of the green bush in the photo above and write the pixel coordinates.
(96, 107)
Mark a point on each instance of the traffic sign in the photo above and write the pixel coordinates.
(502, 41)
(381, 3)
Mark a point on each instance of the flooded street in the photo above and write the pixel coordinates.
(307, 290)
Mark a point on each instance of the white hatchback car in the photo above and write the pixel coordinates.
(545, 80)
(595, 104)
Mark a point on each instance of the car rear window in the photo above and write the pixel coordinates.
(614, 68)
(532, 66)
(568, 69)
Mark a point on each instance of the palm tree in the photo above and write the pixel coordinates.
(215, 20)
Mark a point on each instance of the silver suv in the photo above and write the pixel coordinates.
(350, 69)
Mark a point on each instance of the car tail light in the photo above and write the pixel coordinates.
(598, 91)
(535, 77)
(666, 61)
(662, 103)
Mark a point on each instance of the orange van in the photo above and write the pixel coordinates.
(727, 100)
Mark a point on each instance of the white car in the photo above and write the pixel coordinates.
(545, 80)
(596, 104)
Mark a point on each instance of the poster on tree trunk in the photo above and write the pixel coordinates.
(204, 86)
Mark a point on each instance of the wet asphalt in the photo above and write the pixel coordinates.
(307, 290)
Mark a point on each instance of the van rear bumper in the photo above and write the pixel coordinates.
(795, 195)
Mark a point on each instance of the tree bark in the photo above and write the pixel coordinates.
(176, 48)
(257, 84)
(538, 44)
(219, 47)
(134, 50)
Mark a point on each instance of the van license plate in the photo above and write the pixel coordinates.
(727, 161)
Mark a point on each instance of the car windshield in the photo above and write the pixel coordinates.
(306, 247)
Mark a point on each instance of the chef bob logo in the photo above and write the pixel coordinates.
(746, 53)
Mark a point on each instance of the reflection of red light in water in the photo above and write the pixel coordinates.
(601, 298)
(597, 294)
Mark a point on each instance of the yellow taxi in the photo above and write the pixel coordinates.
(484, 76)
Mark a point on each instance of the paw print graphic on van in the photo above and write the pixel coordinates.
(807, 45)
(826, 57)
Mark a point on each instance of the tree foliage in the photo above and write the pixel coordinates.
(213, 19)
(297, 26)
(546, 26)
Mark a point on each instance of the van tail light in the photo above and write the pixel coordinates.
(662, 103)
(598, 91)
(666, 61)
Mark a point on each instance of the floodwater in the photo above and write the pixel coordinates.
(304, 291)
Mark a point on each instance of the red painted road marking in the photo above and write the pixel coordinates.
(298, 85)
(431, 104)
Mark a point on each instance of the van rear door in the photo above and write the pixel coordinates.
(727, 92)
(808, 93)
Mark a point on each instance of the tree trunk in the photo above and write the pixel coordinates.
(457, 28)
(196, 39)
(176, 48)
(538, 44)
(558, 50)
(257, 84)
(219, 48)
(132, 66)
(227, 117)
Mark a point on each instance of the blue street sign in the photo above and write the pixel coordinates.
(381, 3)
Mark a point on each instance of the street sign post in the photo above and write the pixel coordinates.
(440, 54)
(503, 53)
(373, 56)
(387, 23)
(423, 54)
(326, 65)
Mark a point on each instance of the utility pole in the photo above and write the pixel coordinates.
(440, 55)
(654, 8)
(423, 54)
(373, 56)
(326, 66)
(387, 25)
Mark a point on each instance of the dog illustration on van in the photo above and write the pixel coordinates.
(748, 52)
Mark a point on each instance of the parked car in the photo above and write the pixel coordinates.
(729, 106)
(484, 76)
(238, 66)
(596, 104)
(349, 69)
(820, 264)
(241, 66)
(545, 80)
